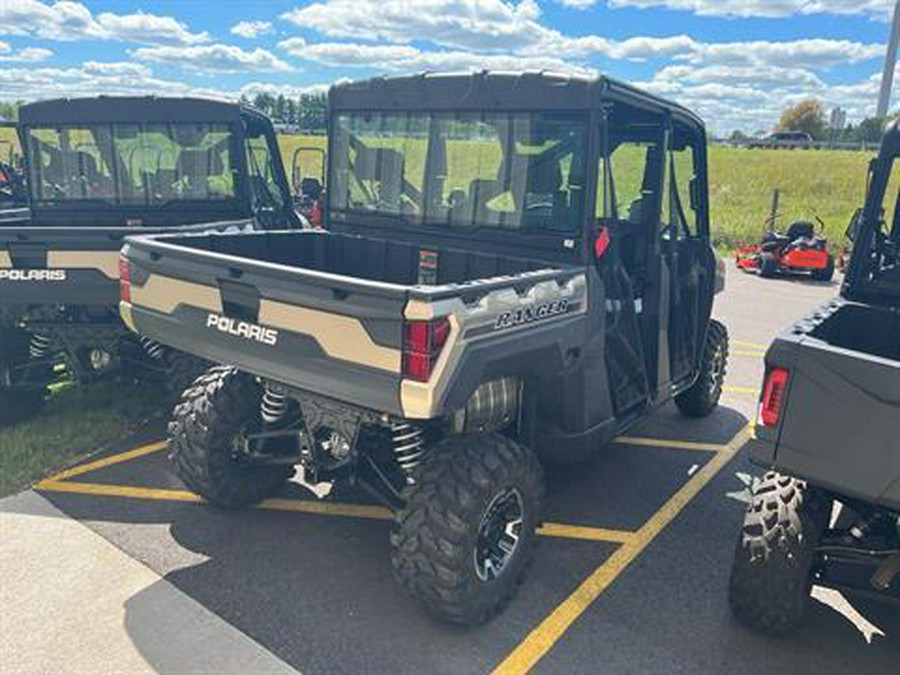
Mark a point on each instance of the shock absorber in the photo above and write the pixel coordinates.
(409, 446)
(153, 349)
(274, 405)
(39, 346)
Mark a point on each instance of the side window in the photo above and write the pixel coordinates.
(264, 184)
(680, 220)
(627, 184)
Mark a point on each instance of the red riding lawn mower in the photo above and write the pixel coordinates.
(800, 251)
(309, 191)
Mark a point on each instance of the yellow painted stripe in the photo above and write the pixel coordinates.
(750, 391)
(103, 490)
(106, 461)
(319, 508)
(327, 508)
(668, 444)
(524, 657)
(585, 533)
(752, 345)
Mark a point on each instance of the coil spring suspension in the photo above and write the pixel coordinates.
(153, 349)
(274, 405)
(409, 446)
(39, 346)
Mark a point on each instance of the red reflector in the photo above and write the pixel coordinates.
(773, 396)
(124, 279)
(602, 243)
(423, 342)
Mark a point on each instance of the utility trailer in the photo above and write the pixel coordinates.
(515, 268)
(99, 169)
(829, 433)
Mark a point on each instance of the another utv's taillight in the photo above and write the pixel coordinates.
(772, 402)
(124, 279)
(422, 345)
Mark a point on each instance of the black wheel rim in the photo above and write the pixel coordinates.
(498, 534)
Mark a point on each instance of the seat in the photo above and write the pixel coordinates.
(194, 169)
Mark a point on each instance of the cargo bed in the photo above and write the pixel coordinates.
(324, 312)
(842, 411)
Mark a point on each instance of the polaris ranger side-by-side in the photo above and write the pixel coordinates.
(515, 267)
(98, 169)
(829, 432)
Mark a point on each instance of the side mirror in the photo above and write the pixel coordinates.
(853, 227)
(694, 191)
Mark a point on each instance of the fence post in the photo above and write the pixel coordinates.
(773, 213)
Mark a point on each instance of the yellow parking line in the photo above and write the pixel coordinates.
(752, 345)
(750, 391)
(524, 657)
(101, 489)
(585, 533)
(107, 461)
(750, 353)
(668, 444)
(558, 530)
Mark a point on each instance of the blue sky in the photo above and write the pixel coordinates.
(737, 62)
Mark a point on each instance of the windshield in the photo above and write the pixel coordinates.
(129, 164)
(502, 170)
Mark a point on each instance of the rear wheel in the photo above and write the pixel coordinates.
(826, 273)
(703, 396)
(182, 370)
(465, 538)
(768, 265)
(775, 557)
(206, 435)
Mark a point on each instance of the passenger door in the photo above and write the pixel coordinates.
(629, 188)
(687, 257)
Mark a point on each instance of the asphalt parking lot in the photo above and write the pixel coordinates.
(630, 575)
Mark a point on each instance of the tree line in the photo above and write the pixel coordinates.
(809, 116)
(307, 112)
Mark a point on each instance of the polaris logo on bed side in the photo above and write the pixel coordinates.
(531, 314)
(32, 275)
(242, 329)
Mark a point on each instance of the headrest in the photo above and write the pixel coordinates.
(379, 164)
(544, 177)
(200, 162)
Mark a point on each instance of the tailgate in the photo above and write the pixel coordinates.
(841, 425)
(334, 335)
(67, 265)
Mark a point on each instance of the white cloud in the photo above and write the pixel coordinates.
(218, 58)
(251, 29)
(767, 8)
(468, 24)
(398, 57)
(814, 53)
(577, 4)
(27, 54)
(66, 20)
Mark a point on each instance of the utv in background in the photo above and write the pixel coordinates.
(97, 170)
(514, 267)
(829, 433)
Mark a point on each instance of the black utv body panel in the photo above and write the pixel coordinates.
(840, 421)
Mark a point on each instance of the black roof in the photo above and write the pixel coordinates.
(131, 109)
(488, 90)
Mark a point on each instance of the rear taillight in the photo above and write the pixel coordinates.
(124, 279)
(422, 345)
(773, 397)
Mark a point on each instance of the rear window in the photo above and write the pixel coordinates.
(129, 164)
